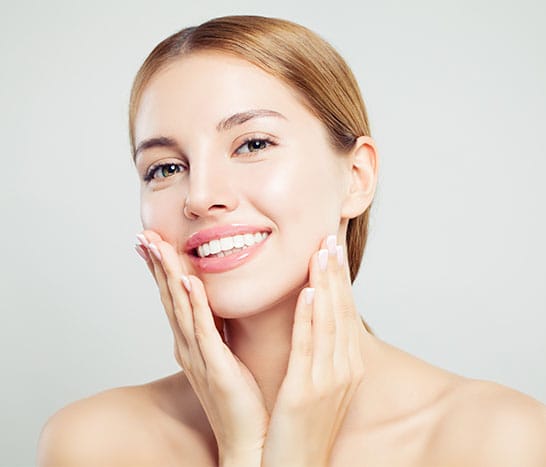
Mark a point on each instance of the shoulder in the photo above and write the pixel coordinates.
(121, 426)
(487, 424)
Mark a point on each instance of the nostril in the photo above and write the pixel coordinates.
(217, 206)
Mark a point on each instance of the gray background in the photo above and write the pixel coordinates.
(455, 268)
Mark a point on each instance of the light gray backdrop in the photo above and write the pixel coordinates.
(455, 268)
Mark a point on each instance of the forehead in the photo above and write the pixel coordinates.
(204, 87)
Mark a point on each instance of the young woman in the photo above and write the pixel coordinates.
(258, 172)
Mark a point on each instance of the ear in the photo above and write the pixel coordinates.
(364, 168)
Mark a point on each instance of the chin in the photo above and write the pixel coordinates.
(237, 303)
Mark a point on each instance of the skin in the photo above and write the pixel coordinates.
(284, 382)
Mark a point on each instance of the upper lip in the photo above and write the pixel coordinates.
(214, 233)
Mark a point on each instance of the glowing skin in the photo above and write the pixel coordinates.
(294, 187)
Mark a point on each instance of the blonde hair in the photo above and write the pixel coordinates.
(298, 57)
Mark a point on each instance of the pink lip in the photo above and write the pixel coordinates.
(214, 264)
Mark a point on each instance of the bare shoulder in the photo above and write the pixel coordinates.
(487, 424)
(133, 426)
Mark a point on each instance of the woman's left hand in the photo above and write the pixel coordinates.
(324, 370)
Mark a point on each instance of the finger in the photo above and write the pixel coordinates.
(301, 353)
(182, 348)
(209, 340)
(142, 250)
(182, 306)
(343, 307)
(323, 321)
(347, 356)
(173, 272)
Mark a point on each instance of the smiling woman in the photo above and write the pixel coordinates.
(258, 171)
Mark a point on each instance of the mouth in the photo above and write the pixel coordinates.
(222, 248)
(225, 246)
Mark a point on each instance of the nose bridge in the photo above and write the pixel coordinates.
(210, 186)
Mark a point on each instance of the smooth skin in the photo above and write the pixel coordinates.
(271, 378)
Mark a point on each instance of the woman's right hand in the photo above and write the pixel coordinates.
(225, 387)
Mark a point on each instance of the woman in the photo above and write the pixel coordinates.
(258, 172)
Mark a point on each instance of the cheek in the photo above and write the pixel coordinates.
(302, 197)
(156, 213)
(304, 203)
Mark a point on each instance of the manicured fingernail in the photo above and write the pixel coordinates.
(186, 282)
(323, 259)
(142, 240)
(340, 255)
(331, 242)
(155, 251)
(142, 252)
(309, 295)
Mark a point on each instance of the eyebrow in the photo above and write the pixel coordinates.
(242, 117)
(224, 125)
(160, 141)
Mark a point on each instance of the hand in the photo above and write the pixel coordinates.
(226, 389)
(324, 371)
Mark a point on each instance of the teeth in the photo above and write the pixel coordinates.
(228, 245)
(215, 247)
(238, 241)
(249, 239)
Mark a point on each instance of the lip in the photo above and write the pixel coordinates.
(232, 261)
(215, 233)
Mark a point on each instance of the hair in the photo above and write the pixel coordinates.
(298, 57)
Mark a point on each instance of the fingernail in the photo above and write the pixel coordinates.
(331, 242)
(186, 282)
(309, 295)
(142, 252)
(340, 255)
(155, 251)
(323, 259)
(142, 240)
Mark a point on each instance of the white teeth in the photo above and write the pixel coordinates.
(214, 247)
(238, 241)
(228, 245)
(249, 239)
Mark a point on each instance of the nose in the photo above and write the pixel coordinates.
(210, 191)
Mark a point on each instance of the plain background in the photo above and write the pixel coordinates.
(454, 271)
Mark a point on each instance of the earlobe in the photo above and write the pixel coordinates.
(364, 167)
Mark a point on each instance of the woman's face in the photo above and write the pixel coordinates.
(242, 150)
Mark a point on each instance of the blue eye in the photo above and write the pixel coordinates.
(254, 145)
(160, 171)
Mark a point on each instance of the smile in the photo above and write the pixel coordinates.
(226, 246)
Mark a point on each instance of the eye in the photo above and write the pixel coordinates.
(159, 171)
(254, 145)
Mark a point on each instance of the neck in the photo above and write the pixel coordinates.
(263, 342)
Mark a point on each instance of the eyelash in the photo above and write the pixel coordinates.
(149, 176)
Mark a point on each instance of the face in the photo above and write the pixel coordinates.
(240, 148)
